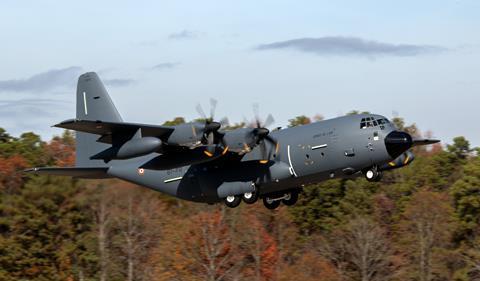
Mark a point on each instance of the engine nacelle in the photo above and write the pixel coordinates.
(139, 147)
(401, 161)
(133, 148)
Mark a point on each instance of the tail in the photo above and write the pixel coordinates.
(93, 103)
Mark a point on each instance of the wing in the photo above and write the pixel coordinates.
(107, 129)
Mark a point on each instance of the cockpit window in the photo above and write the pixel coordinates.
(372, 122)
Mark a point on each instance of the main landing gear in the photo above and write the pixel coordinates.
(270, 201)
(373, 174)
(234, 200)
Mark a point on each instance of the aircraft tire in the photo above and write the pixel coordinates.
(270, 204)
(291, 199)
(250, 197)
(373, 175)
(232, 201)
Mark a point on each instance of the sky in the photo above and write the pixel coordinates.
(419, 60)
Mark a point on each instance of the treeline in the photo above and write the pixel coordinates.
(420, 223)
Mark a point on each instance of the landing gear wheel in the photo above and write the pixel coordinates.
(250, 197)
(270, 204)
(232, 201)
(373, 175)
(291, 198)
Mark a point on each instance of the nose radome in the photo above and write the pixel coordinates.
(397, 143)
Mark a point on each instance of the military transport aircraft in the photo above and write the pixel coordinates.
(203, 162)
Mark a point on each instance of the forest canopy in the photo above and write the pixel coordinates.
(420, 223)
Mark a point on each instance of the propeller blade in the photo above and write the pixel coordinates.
(270, 120)
(200, 111)
(224, 122)
(256, 113)
(263, 150)
(210, 138)
(194, 131)
(213, 107)
(271, 140)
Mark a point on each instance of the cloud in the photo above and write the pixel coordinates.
(184, 34)
(33, 114)
(48, 81)
(165, 66)
(118, 82)
(42, 82)
(350, 46)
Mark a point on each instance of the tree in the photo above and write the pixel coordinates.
(46, 233)
(213, 248)
(103, 213)
(4, 136)
(309, 267)
(319, 207)
(174, 122)
(465, 193)
(356, 112)
(425, 233)
(135, 233)
(460, 147)
(260, 244)
(61, 150)
(299, 120)
(11, 173)
(359, 250)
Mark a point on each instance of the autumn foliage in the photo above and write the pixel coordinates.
(421, 223)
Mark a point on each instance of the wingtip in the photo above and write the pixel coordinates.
(30, 170)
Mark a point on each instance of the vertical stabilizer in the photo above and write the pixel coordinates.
(93, 103)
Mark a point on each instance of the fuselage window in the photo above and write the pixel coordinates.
(370, 122)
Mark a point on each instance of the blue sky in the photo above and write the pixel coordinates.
(160, 58)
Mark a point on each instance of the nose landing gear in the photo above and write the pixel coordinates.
(373, 174)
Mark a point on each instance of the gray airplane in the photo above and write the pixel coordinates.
(202, 162)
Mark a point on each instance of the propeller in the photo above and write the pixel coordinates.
(262, 135)
(211, 136)
(211, 127)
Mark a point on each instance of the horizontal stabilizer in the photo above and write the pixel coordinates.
(86, 173)
(111, 128)
(419, 142)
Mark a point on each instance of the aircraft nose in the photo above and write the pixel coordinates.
(397, 143)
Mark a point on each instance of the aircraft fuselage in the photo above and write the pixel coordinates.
(335, 148)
